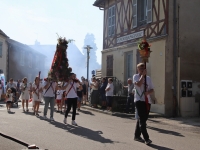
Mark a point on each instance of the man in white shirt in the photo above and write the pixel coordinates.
(71, 95)
(139, 99)
(49, 96)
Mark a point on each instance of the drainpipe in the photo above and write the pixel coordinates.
(175, 102)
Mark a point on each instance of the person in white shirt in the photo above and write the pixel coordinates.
(49, 97)
(37, 94)
(139, 99)
(71, 95)
(25, 89)
(109, 94)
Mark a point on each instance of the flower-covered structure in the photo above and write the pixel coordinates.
(60, 69)
(144, 49)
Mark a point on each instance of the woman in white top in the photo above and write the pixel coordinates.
(37, 95)
(25, 88)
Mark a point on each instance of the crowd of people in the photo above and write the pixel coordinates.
(74, 92)
(65, 95)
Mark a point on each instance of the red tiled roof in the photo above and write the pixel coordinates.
(2, 33)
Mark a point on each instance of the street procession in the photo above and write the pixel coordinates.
(99, 74)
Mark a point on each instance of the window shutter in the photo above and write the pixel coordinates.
(1, 49)
(149, 11)
(134, 13)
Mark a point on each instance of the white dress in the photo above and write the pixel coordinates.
(25, 91)
(35, 97)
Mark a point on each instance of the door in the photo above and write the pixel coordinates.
(129, 65)
(109, 67)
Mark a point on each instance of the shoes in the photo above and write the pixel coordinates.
(74, 123)
(45, 117)
(27, 110)
(61, 112)
(65, 121)
(51, 119)
(139, 139)
(79, 109)
(23, 110)
(147, 142)
(37, 115)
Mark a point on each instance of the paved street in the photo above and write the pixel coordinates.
(95, 131)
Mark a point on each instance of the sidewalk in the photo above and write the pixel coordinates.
(191, 123)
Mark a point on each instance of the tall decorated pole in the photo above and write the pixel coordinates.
(60, 69)
(144, 50)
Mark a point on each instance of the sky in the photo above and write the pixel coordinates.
(29, 20)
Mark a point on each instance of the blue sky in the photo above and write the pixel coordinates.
(28, 20)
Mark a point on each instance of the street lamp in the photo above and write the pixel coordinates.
(88, 57)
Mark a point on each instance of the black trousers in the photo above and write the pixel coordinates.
(70, 102)
(141, 122)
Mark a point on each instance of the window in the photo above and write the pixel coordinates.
(111, 21)
(142, 12)
(30, 60)
(1, 49)
(22, 58)
(109, 69)
(129, 65)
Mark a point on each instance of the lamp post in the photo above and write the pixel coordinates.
(88, 57)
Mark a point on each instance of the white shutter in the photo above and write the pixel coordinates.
(149, 11)
(134, 13)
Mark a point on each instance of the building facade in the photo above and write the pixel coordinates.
(24, 61)
(174, 54)
(3, 52)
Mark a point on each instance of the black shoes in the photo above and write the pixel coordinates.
(147, 142)
(139, 139)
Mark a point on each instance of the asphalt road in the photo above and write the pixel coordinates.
(94, 131)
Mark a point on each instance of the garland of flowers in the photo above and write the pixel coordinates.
(144, 45)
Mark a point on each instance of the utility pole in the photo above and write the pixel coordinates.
(88, 57)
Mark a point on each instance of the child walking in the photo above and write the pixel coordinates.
(59, 95)
(9, 99)
(25, 89)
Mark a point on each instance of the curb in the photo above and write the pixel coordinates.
(14, 139)
(151, 115)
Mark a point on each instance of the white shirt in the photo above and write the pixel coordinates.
(59, 94)
(11, 85)
(110, 91)
(139, 91)
(50, 91)
(71, 92)
(35, 97)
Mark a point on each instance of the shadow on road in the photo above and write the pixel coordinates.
(165, 131)
(159, 147)
(83, 132)
(87, 112)
(11, 112)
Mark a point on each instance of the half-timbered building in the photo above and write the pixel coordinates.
(164, 24)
